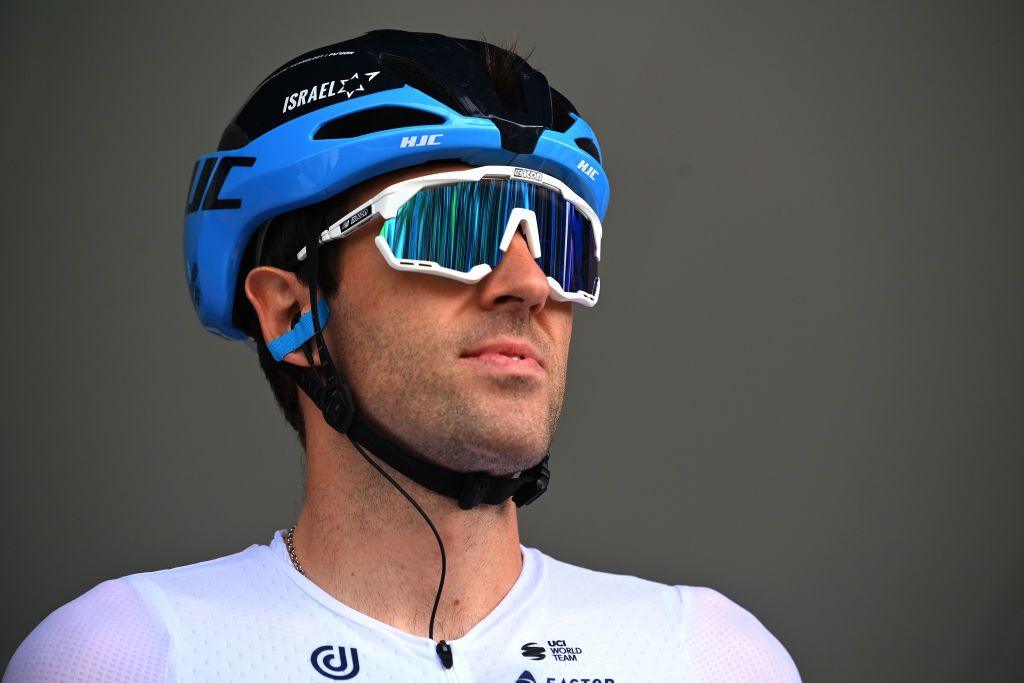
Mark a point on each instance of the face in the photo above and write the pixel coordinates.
(468, 376)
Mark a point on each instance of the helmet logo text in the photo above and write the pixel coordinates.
(588, 170)
(421, 141)
(205, 193)
(326, 90)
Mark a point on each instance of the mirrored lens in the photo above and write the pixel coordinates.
(568, 252)
(459, 226)
(455, 226)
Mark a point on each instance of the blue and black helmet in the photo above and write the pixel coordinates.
(342, 114)
(335, 117)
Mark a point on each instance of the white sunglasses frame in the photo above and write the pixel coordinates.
(387, 202)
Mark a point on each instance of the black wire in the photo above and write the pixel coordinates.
(332, 378)
(444, 561)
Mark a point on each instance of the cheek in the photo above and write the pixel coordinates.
(388, 334)
(560, 325)
(371, 348)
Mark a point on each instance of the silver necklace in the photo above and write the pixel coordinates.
(290, 544)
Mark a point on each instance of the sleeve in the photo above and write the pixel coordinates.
(108, 635)
(724, 642)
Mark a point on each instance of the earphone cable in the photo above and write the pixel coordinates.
(440, 544)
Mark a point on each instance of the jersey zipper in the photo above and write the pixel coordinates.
(444, 652)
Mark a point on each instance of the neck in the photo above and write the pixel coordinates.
(362, 542)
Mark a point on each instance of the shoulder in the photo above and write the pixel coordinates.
(573, 583)
(123, 629)
(715, 638)
(107, 634)
(723, 641)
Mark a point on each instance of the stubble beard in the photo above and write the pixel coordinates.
(402, 376)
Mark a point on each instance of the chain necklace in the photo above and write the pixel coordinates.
(290, 544)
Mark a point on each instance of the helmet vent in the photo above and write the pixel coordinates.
(414, 75)
(560, 110)
(588, 146)
(374, 120)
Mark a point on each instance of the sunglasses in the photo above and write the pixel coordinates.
(460, 224)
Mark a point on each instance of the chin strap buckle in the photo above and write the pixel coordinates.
(472, 494)
(541, 474)
(338, 408)
(482, 488)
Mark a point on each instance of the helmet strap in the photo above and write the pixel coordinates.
(334, 398)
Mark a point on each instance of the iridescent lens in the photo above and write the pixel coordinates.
(454, 226)
(459, 226)
(567, 249)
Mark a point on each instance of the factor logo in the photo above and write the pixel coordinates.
(335, 662)
(533, 651)
(526, 677)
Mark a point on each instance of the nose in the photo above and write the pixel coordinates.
(516, 281)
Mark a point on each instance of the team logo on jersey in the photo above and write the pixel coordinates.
(335, 662)
(533, 651)
(562, 652)
(527, 677)
(559, 649)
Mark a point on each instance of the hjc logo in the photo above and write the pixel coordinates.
(333, 662)
(205, 194)
(588, 170)
(422, 140)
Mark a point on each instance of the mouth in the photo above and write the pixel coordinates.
(506, 356)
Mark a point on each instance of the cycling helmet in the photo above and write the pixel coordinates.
(337, 116)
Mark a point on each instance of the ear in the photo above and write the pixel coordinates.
(278, 296)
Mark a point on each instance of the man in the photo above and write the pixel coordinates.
(402, 223)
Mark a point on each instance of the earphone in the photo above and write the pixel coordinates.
(305, 347)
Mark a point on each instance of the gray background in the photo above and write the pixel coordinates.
(803, 384)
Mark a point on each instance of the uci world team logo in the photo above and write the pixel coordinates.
(335, 662)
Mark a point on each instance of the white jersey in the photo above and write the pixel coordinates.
(251, 617)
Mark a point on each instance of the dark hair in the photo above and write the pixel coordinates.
(285, 235)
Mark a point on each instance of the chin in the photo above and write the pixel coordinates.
(495, 454)
(505, 456)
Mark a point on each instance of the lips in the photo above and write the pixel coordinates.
(506, 355)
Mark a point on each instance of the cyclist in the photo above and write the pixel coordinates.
(401, 224)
